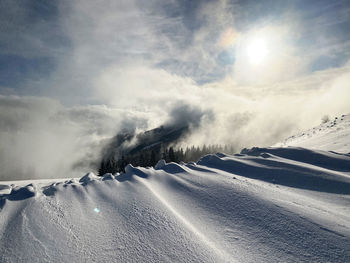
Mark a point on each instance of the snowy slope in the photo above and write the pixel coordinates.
(330, 136)
(264, 205)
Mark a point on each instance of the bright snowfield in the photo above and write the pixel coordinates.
(333, 135)
(265, 205)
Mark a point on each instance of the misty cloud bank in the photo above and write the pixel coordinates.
(41, 138)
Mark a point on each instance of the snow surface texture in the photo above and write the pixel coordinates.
(330, 136)
(263, 205)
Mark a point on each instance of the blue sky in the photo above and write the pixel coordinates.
(39, 38)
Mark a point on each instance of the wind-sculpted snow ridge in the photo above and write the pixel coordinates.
(263, 205)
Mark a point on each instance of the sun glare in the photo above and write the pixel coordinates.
(257, 51)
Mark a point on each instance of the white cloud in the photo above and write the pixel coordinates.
(282, 61)
(40, 138)
(247, 116)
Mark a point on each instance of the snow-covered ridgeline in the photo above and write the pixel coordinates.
(333, 135)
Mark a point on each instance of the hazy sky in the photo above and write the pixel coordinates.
(73, 73)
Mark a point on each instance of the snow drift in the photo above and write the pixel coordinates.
(263, 205)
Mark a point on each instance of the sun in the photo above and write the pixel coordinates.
(257, 51)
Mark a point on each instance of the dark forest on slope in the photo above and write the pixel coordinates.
(147, 148)
(150, 156)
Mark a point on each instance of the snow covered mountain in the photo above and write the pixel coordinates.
(330, 136)
(131, 143)
(279, 204)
